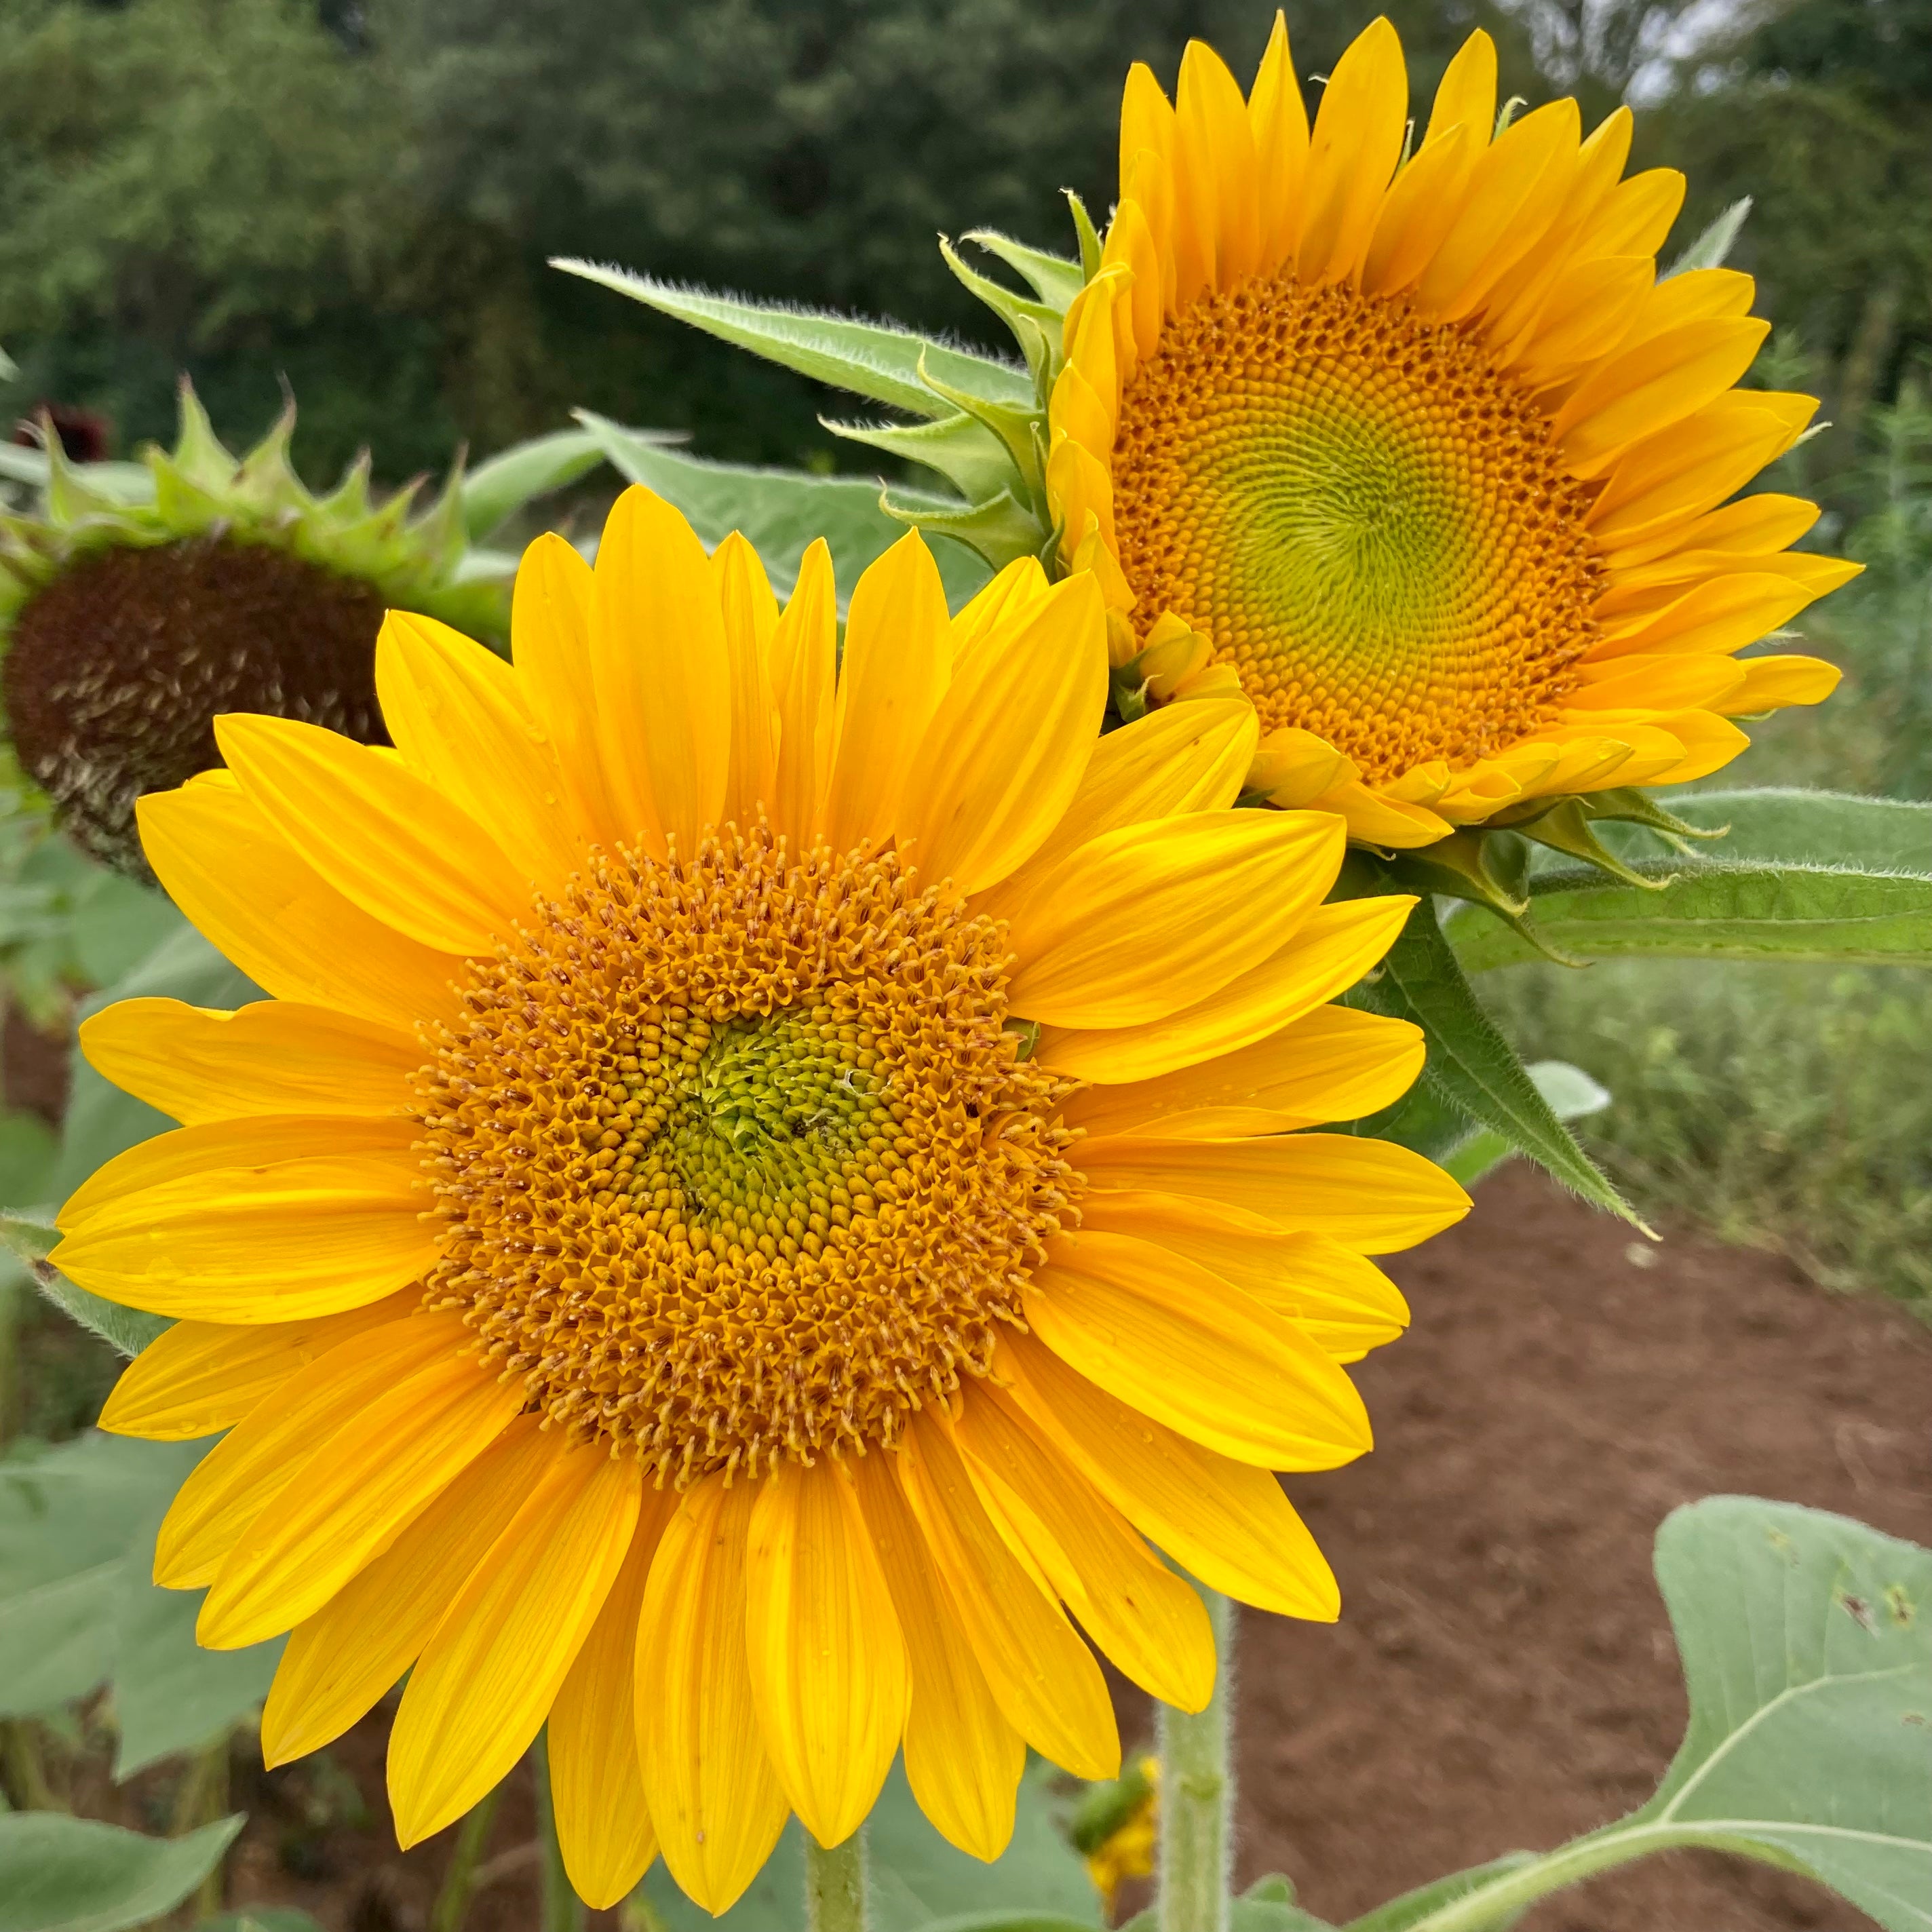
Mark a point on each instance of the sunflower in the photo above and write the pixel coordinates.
(131, 619)
(1415, 444)
(760, 1180)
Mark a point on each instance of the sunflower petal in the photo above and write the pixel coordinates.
(596, 1778)
(963, 1759)
(272, 1057)
(751, 615)
(804, 676)
(1182, 1345)
(828, 1667)
(1358, 137)
(487, 1678)
(1140, 923)
(1227, 1522)
(340, 1661)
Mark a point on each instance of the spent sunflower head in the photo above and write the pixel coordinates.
(763, 1176)
(128, 626)
(1417, 446)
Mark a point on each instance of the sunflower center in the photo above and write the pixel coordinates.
(1361, 513)
(737, 1155)
(118, 669)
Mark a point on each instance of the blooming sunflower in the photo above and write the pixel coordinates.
(1418, 447)
(130, 620)
(763, 1177)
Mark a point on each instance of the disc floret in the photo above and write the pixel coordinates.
(738, 1158)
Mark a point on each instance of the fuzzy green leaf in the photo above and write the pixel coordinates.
(1785, 825)
(965, 452)
(1807, 1644)
(1412, 1907)
(1470, 1065)
(1715, 245)
(869, 358)
(495, 491)
(63, 1874)
(1713, 909)
(782, 510)
(1572, 1094)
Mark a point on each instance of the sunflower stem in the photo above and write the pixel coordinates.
(1197, 1798)
(459, 1881)
(835, 1884)
(563, 1909)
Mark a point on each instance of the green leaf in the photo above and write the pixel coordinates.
(1807, 1645)
(63, 1874)
(869, 358)
(1470, 1065)
(965, 452)
(495, 491)
(66, 1517)
(1710, 249)
(1714, 909)
(79, 1606)
(782, 510)
(1572, 1094)
(918, 1880)
(1054, 279)
(1412, 1907)
(170, 1695)
(1786, 825)
(29, 1150)
(116, 924)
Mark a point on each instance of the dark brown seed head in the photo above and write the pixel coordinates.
(118, 669)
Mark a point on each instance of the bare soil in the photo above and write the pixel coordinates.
(1503, 1675)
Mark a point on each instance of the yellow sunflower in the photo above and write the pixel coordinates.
(1417, 446)
(761, 1180)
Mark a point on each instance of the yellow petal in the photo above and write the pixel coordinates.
(1214, 160)
(1042, 1676)
(827, 1664)
(213, 1149)
(1332, 1064)
(1515, 191)
(1180, 1344)
(897, 659)
(963, 1759)
(486, 1679)
(245, 1472)
(1645, 389)
(1148, 1621)
(750, 615)
(248, 892)
(550, 640)
(1338, 1298)
(1642, 683)
(1466, 95)
(341, 1660)
(1184, 758)
(1226, 1522)
(1749, 526)
(1681, 471)
(458, 715)
(1771, 683)
(271, 1057)
(1331, 949)
(199, 1378)
(1141, 922)
(277, 1242)
(350, 1498)
(1416, 213)
(1012, 591)
(596, 1778)
(804, 674)
(1008, 743)
(716, 1801)
(384, 838)
(1359, 132)
(1718, 617)
(1637, 214)
(1589, 312)
(1368, 1194)
(1278, 121)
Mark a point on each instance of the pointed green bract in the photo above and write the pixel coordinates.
(865, 357)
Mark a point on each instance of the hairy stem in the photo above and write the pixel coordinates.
(835, 1884)
(459, 1881)
(1197, 1798)
(563, 1909)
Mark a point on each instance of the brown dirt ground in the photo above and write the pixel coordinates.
(1503, 1675)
